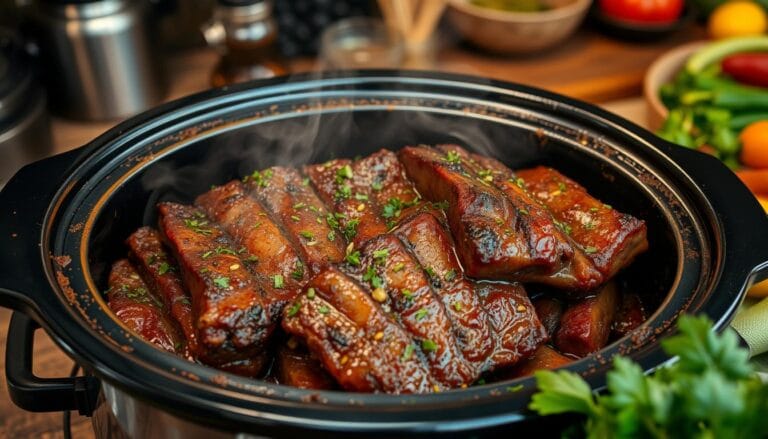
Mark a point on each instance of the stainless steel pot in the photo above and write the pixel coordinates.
(101, 57)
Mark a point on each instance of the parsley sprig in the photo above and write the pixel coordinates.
(711, 391)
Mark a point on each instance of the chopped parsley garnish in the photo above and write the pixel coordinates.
(408, 294)
(589, 226)
(430, 271)
(323, 309)
(441, 205)
(371, 276)
(305, 182)
(344, 192)
(295, 218)
(277, 281)
(392, 209)
(311, 293)
(353, 258)
(207, 254)
(163, 268)
(331, 235)
(407, 353)
(398, 267)
(221, 282)
(261, 179)
(307, 235)
(377, 186)
(350, 230)
(332, 221)
(452, 157)
(561, 187)
(450, 275)
(428, 345)
(381, 255)
(485, 175)
(152, 259)
(252, 259)
(421, 313)
(298, 206)
(198, 226)
(593, 209)
(361, 197)
(345, 172)
(523, 211)
(298, 271)
(225, 251)
(457, 306)
(590, 250)
(518, 181)
(294, 309)
(513, 389)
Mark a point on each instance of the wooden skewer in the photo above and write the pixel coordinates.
(429, 15)
(404, 14)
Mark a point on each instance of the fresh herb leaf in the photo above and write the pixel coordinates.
(452, 157)
(428, 345)
(353, 258)
(221, 282)
(278, 281)
(294, 309)
(163, 268)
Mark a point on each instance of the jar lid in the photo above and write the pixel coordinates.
(16, 74)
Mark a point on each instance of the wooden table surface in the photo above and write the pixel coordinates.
(588, 66)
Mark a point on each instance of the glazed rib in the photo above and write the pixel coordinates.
(400, 284)
(513, 318)
(296, 367)
(549, 311)
(394, 194)
(630, 315)
(491, 235)
(348, 194)
(577, 271)
(232, 314)
(360, 346)
(258, 239)
(611, 239)
(545, 358)
(429, 242)
(161, 273)
(586, 325)
(290, 199)
(136, 306)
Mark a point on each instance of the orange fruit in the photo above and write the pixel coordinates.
(737, 18)
(754, 144)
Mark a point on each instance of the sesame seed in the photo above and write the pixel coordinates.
(379, 294)
(521, 308)
(234, 267)
(436, 388)
(344, 359)
(378, 336)
(361, 207)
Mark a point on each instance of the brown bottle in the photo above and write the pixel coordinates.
(245, 32)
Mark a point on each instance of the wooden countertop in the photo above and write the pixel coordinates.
(589, 66)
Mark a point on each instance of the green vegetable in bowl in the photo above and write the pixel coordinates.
(711, 391)
(512, 5)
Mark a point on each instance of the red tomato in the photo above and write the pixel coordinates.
(646, 11)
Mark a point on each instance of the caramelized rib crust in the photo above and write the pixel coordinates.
(513, 318)
(291, 200)
(161, 273)
(577, 271)
(360, 346)
(402, 286)
(257, 238)
(429, 242)
(348, 193)
(611, 239)
(586, 325)
(545, 358)
(231, 311)
(630, 315)
(492, 237)
(136, 306)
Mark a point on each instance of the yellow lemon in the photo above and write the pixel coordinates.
(737, 18)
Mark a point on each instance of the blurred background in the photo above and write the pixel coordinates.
(693, 71)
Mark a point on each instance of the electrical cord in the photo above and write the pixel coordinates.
(67, 415)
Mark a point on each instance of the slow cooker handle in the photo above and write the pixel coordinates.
(24, 200)
(746, 224)
(36, 394)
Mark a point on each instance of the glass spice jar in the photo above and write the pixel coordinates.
(245, 33)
